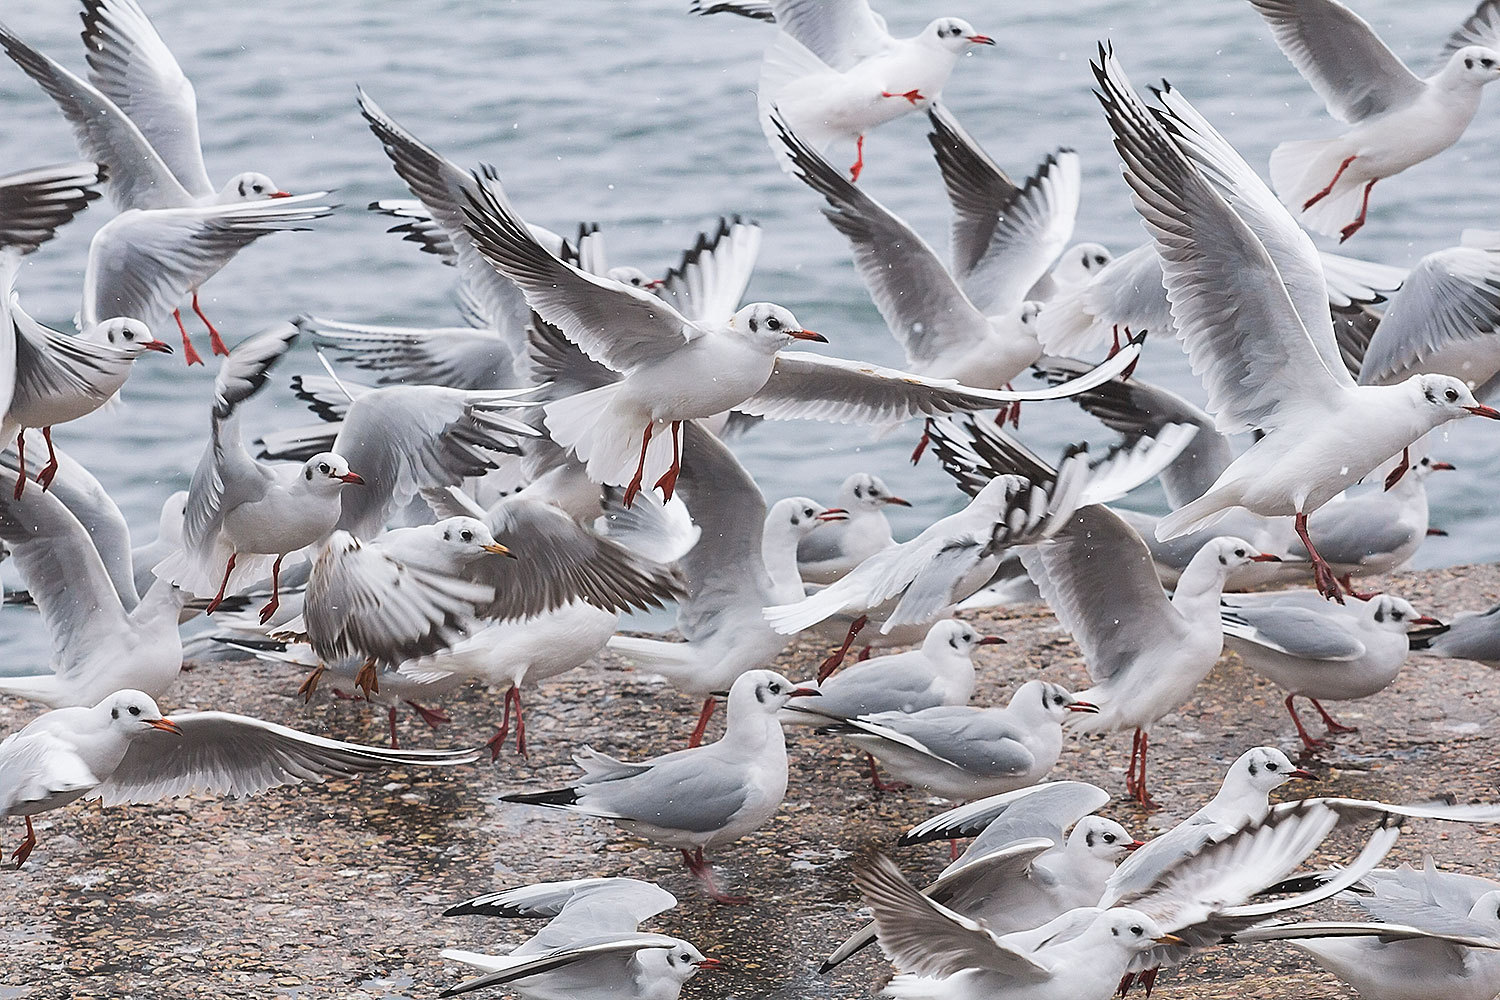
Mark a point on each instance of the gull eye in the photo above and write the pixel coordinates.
(1136, 930)
(775, 688)
(323, 468)
(1271, 765)
(1100, 259)
(466, 535)
(135, 710)
(129, 335)
(1451, 395)
(1109, 838)
(807, 513)
(773, 323)
(1398, 615)
(1240, 553)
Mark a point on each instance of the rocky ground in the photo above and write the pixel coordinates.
(338, 890)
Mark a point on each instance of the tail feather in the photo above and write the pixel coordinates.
(481, 961)
(670, 659)
(1204, 512)
(608, 442)
(784, 77)
(42, 688)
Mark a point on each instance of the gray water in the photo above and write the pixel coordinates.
(641, 118)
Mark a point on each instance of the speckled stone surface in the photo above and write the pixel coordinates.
(337, 890)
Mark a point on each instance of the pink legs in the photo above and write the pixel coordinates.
(702, 727)
(214, 340)
(704, 873)
(859, 163)
(270, 609)
(498, 740)
(832, 663)
(1358, 224)
(189, 352)
(668, 482)
(1135, 777)
(24, 851)
(1323, 578)
(219, 597)
(1329, 189)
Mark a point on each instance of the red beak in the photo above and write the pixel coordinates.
(833, 514)
(165, 725)
(990, 640)
(1443, 467)
(654, 284)
(805, 693)
(1135, 845)
(709, 965)
(1299, 773)
(160, 346)
(1265, 557)
(898, 501)
(980, 39)
(352, 478)
(281, 194)
(1484, 411)
(1425, 620)
(1083, 706)
(810, 335)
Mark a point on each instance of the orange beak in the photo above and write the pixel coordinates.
(1135, 845)
(805, 693)
(1083, 706)
(810, 335)
(1425, 620)
(833, 514)
(991, 640)
(1300, 773)
(898, 501)
(165, 725)
(709, 965)
(281, 194)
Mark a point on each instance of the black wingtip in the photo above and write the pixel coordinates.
(553, 797)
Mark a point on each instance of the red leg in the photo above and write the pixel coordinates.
(1334, 726)
(1347, 583)
(916, 455)
(864, 654)
(21, 458)
(1394, 476)
(520, 726)
(1308, 740)
(832, 663)
(189, 352)
(640, 469)
(1358, 223)
(953, 851)
(390, 715)
(270, 609)
(881, 786)
(1323, 578)
(1135, 756)
(219, 597)
(704, 873)
(1126, 982)
(1148, 980)
(668, 482)
(498, 740)
(702, 727)
(911, 95)
(1141, 795)
(1014, 410)
(1329, 189)
(434, 717)
(859, 162)
(24, 851)
(214, 340)
(45, 476)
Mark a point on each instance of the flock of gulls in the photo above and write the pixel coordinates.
(482, 503)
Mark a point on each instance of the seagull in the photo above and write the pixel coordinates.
(591, 948)
(1430, 900)
(734, 364)
(698, 798)
(1467, 637)
(958, 752)
(1024, 869)
(1319, 650)
(242, 514)
(836, 72)
(826, 555)
(35, 203)
(943, 332)
(745, 559)
(77, 568)
(1398, 118)
(139, 119)
(124, 750)
(1249, 262)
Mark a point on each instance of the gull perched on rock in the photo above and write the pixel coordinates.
(695, 799)
(124, 750)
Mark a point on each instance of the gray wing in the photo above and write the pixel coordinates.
(88, 501)
(1058, 804)
(1475, 637)
(614, 904)
(141, 264)
(34, 203)
(418, 226)
(402, 439)
(1294, 631)
(680, 791)
(929, 939)
(557, 561)
(922, 305)
(1338, 52)
(980, 741)
(459, 357)
(1451, 297)
(49, 363)
(978, 190)
(130, 63)
(36, 766)
(1353, 529)
(711, 279)
(222, 754)
(1098, 578)
(839, 32)
(536, 965)
(63, 571)
(1126, 294)
(1480, 28)
(754, 10)
(138, 177)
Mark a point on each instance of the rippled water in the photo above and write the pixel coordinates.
(640, 117)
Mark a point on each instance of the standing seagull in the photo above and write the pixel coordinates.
(1399, 118)
(697, 798)
(140, 120)
(1250, 307)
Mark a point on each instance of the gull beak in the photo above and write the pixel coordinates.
(166, 726)
(991, 640)
(1265, 557)
(1426, 620)
(1170, 939)
(810, 335)
(653, 285)
(1135, 845)
(1484, 411)
(979, 39)
(1300, 773)
(805, 693)
(898, 501)
(160, 346)
(833, 514)
(1083, 706)
(1443, 467)
(709, 965)
(351, 478)
(281, 194)
(499, 550)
